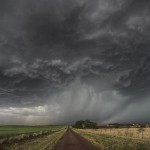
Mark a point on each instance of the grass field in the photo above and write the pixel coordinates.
(15, 130)
(137, 133)
(117, 139)
(45, 142)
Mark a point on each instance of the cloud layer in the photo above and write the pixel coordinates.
(66, 60)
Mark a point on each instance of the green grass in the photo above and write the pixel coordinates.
(115, 143)
(16, 130)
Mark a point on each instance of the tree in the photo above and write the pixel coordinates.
(79, 124)
(87, 124)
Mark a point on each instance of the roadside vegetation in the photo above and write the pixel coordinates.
(43, 142)
(135, 133)
(30, 137)
(118, 139)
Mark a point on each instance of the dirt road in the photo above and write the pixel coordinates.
(73, 141)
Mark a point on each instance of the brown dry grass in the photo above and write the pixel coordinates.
(123, 132)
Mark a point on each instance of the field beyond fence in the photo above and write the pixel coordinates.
(9, 130)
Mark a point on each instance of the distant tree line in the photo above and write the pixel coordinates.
(117, 125)
(85, 124)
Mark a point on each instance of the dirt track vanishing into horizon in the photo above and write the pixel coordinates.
(73, 141)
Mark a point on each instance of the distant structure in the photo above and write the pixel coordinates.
(117, 125)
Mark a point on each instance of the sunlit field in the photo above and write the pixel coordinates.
(118, 138)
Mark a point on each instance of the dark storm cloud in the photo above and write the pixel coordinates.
(65, 55)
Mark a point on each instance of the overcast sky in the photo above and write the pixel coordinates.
(65, 60)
